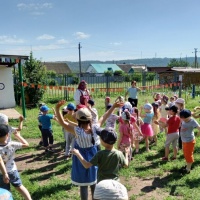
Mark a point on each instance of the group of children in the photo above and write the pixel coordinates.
(84, 138)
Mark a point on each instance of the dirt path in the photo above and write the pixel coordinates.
(142, 188)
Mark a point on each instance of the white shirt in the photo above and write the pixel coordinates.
(77, 95)
(7, 153)
(94, 117)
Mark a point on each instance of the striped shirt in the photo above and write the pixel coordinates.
(83, 139)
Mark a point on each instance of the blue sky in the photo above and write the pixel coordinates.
(106, 29)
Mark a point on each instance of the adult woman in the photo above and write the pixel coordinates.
(132, 91)
(87, 142)
(82, 95)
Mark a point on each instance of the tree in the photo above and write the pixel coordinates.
(34, 72)
(178, 63)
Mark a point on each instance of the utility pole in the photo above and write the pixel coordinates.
(195, 57)
(79, 49)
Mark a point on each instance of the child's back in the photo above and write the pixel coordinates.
(108, 162)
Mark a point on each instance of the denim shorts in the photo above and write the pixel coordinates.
(14, 180)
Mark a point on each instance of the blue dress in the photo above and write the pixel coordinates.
(79, 174)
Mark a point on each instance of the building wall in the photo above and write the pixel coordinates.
(7, 99)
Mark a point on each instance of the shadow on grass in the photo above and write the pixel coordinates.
(163, 183)
(48, 190)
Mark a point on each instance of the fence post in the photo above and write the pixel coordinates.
(65, 83)
(193, 91)
(107, 86)
(143, 78)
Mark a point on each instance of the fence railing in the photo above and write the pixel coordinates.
(64, 86)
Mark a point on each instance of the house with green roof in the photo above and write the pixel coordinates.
(101, 68)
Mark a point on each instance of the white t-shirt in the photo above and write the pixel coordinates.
(11, 131)
(7, 153)
(94, 117)
(111, 121)
(77, 95)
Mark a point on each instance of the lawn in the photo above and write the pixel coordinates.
(47, 177)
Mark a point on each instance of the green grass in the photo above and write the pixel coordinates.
(52, 180)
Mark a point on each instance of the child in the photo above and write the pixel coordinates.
(7, 151)
(126, 134)
(69, 137)
(94, 112)
(155, 127)
(107, 101)
(146, 128)
(108, 160)
(111, 121)
(39, 124)
(4, 120)
(137, 135)
(87, 142)
(180, 103)
(188, 139)
(47, 132)
(163, 111)
(110, 190)
(171, 101)
(173, 124)
(157, 97)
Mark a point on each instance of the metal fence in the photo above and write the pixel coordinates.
(64, 86)
(101, 85)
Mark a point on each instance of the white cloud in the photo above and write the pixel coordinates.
(34, 6)
(81, 35)
(4, 39)
(45, 37)
(47, 47)
(116, 43)
(62, 41)
(37, 13)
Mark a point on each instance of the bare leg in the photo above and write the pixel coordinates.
(137, 146)
(175, 151)
(166, 152)
(24, 192)
(189, 165)
(147, 143)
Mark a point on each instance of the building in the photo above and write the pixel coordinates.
(7, 95)
(101, 68)
(58, 67)
(131, 68)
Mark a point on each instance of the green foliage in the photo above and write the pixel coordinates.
(150, 76)
(47, 177)
(33, 72)
(137, 77)
(108, 73)
(118, 73)
(178, 63)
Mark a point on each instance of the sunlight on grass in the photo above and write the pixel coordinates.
(48, 177)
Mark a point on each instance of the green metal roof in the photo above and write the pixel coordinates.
(101, 68)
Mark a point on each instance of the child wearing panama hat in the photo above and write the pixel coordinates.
(146, 128)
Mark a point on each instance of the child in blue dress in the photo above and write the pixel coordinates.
(86, 142)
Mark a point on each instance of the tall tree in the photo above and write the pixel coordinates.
(34, 72)
(178, 63)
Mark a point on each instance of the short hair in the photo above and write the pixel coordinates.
(3, 130)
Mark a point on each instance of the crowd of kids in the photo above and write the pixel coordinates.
(97, 148)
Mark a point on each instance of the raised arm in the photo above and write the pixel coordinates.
(21, 139)
(108, 113)
(21, 119)
(61, 121)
